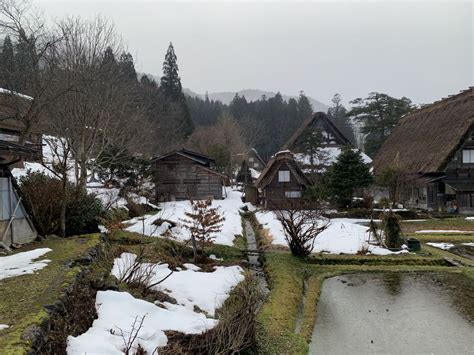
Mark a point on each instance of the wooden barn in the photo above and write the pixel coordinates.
(282, 182)
(183, 175)
(317, 144)
(432, 149)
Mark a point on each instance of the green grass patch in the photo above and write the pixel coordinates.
(451, 237)
(444, 224)
(23, 297)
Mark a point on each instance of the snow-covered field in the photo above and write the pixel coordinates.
(22, 263)
(175, 212)
(117, 311)
(343, 235)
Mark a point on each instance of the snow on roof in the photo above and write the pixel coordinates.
(9, 92)
(326, 156)
(254, 173)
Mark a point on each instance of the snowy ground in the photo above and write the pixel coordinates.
(4, 326)
(22, 263)
(343, 235)
(117, 311)
(175, 212)
(447, 246)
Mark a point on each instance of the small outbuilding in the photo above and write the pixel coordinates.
(282, 182)
(183, 175)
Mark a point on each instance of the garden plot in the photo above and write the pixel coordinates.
(343, 236)
(23, 263)
(198, 294)
(174, 212)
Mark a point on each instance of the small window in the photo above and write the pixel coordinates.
(251, 160)
(284, 176)
(468, 156)
(292, 194)
(255, 165)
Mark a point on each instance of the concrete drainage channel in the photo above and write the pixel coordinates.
(253, 255)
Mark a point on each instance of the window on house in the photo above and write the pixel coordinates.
(251, 160)
(468, 156)
(292, 194)
(284, 176)
(255, 165)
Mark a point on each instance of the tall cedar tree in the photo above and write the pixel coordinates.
(378, 113)
(7, 64)
(337, 113)
(170, 87)
(346, 175)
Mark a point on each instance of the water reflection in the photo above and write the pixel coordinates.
(395, 313)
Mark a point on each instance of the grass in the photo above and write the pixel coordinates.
(445, 224)
(23, 297)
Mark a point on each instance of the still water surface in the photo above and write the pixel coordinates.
(394, 313)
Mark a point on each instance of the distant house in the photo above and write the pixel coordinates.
(282, 182)
(254, 160)
(317, 144)
(183, 174)
(432, 148)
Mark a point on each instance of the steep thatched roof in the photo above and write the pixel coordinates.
(271, 169)
(341, 139)
(425, 140)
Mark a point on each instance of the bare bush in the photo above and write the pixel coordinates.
(301, 224)
(129, 337)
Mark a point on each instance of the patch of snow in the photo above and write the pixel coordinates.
(117, 311)
(254, 173)
(175, 212)
(343, 235)
(22, 263)
(213, 257)
(191, 267)
(207, 290)
(4, 326)
(468, 244)
(441, 231)
(444, 246)
(14, 93)
(470, 218)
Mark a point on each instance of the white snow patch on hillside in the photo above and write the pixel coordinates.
(468, 244)
(470, 218)
(190, 287)
(342, 236)
(175, 212)
(117, 311)
(4, 326)
(22, 263)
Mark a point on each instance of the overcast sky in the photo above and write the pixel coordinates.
(420, 50)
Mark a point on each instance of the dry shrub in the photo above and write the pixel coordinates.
(235, 331)
(266, 238)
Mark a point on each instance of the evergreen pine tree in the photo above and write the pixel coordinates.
(244, 175)
(127, 67)
(347, 174)
(7, 64)
(305, 109)
(26, 65)
(338, 114)
(170, 81)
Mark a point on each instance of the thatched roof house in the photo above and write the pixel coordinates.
(432, 148)
(282, 181)
(318, 143)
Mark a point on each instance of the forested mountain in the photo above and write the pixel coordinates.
(253, 95)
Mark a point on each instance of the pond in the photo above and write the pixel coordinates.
(395, 313)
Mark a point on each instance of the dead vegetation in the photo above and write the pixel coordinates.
(235, 331)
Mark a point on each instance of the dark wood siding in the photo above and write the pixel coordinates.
(274, 194)
(179, 178)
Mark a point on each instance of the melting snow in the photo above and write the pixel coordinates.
(4, 326)
(444, 246)
(22, 263)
